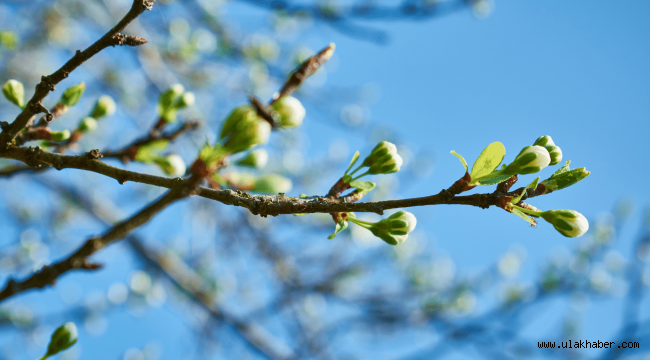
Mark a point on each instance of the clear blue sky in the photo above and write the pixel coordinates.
(576, 70)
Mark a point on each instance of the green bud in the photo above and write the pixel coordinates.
(564, 180)
(569, 223)
(171, 96)
(187, 99)
(172, 165)
(241, 180)
(544, 141)
(530, 160)
(71, 96)
(62, 135)
(87, 124)
(395, 228)
(14, 91)
(62, 339)
(272, 184)
(290, 111)
(255, 159)
(243, 130)
(383, 159)
(8, 39)
(555, 152)
(105, 106)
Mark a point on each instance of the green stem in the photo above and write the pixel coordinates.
(529, 212)
(355, 170)
(360, 176)
(363, 224)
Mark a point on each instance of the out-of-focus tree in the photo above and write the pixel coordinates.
(248, 286)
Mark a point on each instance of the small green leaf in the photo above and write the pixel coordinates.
(532, 185)
(362, 185)
(561, 170)
(489, 160)
(354, 161)
(340, 226)
(524, 216)
(462, 160)
(495, 180)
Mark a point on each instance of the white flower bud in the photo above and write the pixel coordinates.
(87, 124)
(569, 223)
(272, 184)
(383, 159)
(555, 152)
(544, 141)
(395, 228)
(290, 111)
(256, 159)
(243, 130)
(105, 106)
(62, 339)
(14, 91)
(62, 135)
(530, 160)
(172, 165)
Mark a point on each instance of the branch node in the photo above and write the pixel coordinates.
(94, 154)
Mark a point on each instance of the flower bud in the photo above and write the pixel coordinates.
(87, 124)
(14, 91)
(569, 223)
(255, 159)
(290, 112)
(62, 135)
(555, 152)
(242, 181)
(71, 96)
(530, 160)
(383, 159)
(544, 141)
(172, 165)
(395, 228)
(105, 106)
(187, 99)
(62, 339)
(272, 184)
(565, 179)
(170, 96)
(8, 39)
(243, 130)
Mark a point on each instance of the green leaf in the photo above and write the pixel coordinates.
(524, 216)
(489, 160)
(354, 161)
(495, 180)
(362, 185)
(532, 185)
(462, 160)
(561, 170)
(340, 226)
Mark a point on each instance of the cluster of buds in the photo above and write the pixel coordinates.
(383, 159)
(62, 339)
(172, 100)
(289, 112)
(243, 130)
(393, 230)
(554, 151)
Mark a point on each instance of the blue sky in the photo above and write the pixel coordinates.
(576, 70)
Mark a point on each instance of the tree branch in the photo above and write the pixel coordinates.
(79, 259)
(257, 204)
(48, 83)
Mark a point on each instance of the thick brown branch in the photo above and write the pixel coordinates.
(79, 259)
(257, 204)
(48, 83)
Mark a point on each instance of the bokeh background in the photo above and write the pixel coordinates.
(430, 76)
